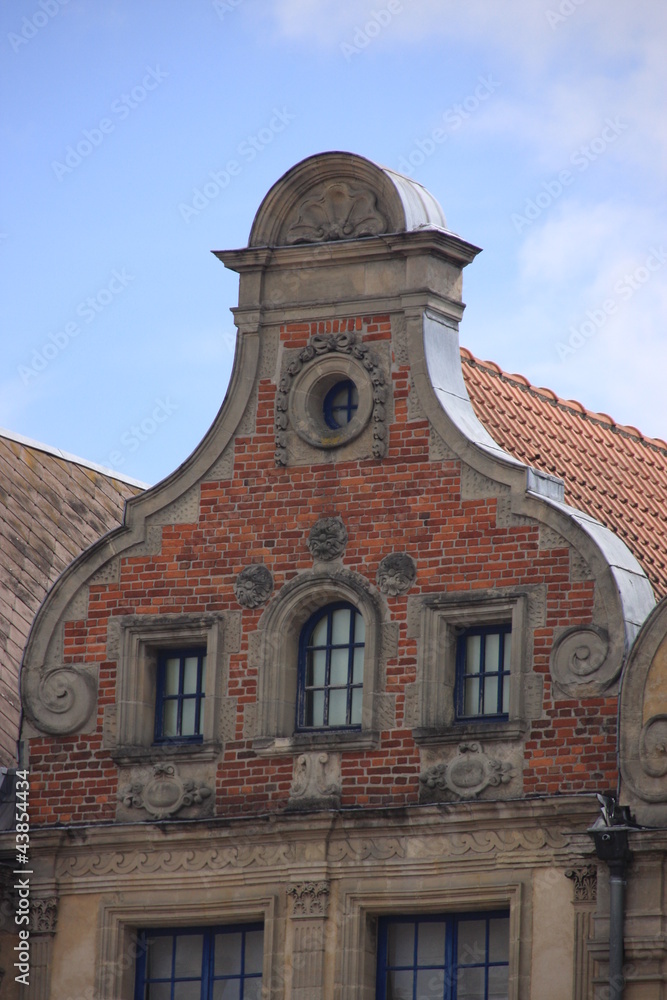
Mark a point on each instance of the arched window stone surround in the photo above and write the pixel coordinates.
(274, 651)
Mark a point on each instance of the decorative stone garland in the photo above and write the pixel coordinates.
(321, 344)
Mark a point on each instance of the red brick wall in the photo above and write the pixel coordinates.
(404, 502)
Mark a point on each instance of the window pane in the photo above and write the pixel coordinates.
(492, 651)
(227, 989)
(158, 963)
(357, 700)
(159, 991)
(171, 675)
(340, 626)
(314, 708)
(491, 695)
(227, 954)
(470, 984)
(187, 991)
(508, 650)
(499, 939)
(498, 982)
(471, 941)
(170, 716)
(340, 659)
(430, 984)
(254, 951)
(400, 944)
(252, 989)
(358, 667)
(319, 635)
(399, 985)
(317, 668)
(473, 654)
(188, 955)
(359, 628)
(471, 703)
(188, 725)
(190, 672)
(338, 707)
(431, 944)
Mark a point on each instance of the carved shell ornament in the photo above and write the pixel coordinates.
(253, 586)
(336, 212)
(466, 775)
(327, 539)
(396, 573)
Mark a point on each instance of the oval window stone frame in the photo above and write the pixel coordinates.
(306, 400)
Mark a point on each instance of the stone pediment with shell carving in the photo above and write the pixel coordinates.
(335, 210)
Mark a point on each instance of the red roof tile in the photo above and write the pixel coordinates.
(611, 471)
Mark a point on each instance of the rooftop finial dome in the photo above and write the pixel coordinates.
(341, 196)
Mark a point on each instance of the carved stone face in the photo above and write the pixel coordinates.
(253, 586)
(327, 538)
(396, 573)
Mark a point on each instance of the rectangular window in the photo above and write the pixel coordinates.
(444, 957)
(179, 704)
(212, 963)
(483, 672)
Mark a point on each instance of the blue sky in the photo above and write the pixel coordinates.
(539, 125)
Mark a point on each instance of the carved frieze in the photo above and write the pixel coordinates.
(327, 538)
(165, 793)
(60, 700)
(336, 211)
(465, 776)
(308, 899)
(579, 661)
(253, 586)
(396, 573)
(584, 882)
(316, 779)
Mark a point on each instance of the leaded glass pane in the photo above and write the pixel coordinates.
(399, 985)
(172, 668)
(473, 653)
(498, 982)
(358, 665)
(188, 991)
(431, 943)
(190, 674)
(158, 991)
(228, 954)
(340, 627)
(359, 628)
(170, 718)
(492, 651)
(491, 694)
(189, 948)
(471, 941)
(319, 636)
(227, 989)
(357, 699)
(158, 964)
(471, 705)
(338, 707)
(400, 944)
(340, 666)
(430, 984)
(499, 939)
(315, 708)
(254, 951)
(188, 717)
(317, 668)
(470, 984)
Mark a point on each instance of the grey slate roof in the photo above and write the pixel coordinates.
(52, 506)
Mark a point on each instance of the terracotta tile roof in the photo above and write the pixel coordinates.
(611, 471)
(52, 506)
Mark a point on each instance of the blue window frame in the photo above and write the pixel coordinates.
(179, 703)
(483, 672)
(444, 957)
(331, 669)
(340, 404)
(200, 963)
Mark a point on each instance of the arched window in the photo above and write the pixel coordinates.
(331, 666)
